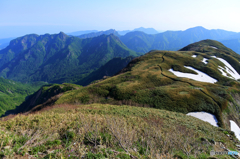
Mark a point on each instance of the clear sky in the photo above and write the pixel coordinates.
(20, 17)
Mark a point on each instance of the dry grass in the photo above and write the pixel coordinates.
(107, 131)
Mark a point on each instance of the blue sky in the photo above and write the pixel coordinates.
(20, 17)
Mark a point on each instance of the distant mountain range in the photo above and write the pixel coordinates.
(146, 39)
(58, 58)
(171, 40)
(142, 29)
(61, 58)
(95, 34)
(145, 30)
(78, 33)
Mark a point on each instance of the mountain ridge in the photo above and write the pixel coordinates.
(48, 57)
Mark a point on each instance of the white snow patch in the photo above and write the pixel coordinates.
(205, 60)
(194, 56)
(210, 118)
(213, 47)
(235, 129)
(221, 69)
(202, 77)
(230, 70)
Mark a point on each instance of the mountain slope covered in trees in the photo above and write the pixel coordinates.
(58, 58)
(13, 93)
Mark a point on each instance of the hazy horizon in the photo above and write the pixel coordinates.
(19, 18)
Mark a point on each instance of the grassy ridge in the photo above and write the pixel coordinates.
(97, 131)
(48, 94)
(147, 82)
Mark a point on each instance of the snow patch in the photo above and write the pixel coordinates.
(213, 47)
(222, 71)
(194, 56)
(202, 77)
(205, 60)
(228, 68)
(234, 127)
(210, 118)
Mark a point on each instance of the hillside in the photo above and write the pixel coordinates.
(155, 80)
(58, 58)
(111, 68)
(150, 81)
(14, 93)
(110, 131)
(202, 76)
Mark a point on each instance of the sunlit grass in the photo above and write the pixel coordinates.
(109, 130)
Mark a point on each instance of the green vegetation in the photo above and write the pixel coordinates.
(108, 131)
(47, 95)
(14, 93)
(58, 58)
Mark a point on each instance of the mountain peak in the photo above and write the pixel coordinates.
(146, 30)
(196, 28)
(204, 44)
(62, 35)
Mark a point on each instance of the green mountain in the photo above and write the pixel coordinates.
(100, 120)
(138, 40)
(14, 93)
(147, 39)
(58, 58)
